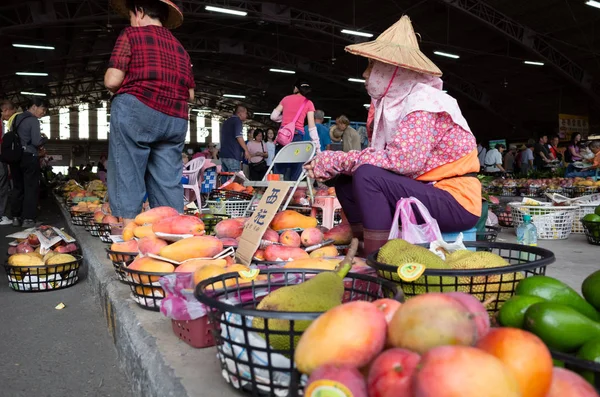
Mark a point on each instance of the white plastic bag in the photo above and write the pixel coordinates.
(411, 231)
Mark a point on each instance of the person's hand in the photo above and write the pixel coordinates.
(309, 167)
(247, 155)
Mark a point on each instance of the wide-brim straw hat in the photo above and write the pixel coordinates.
(397, 46)
(174, 19)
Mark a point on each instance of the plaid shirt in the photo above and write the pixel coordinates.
(158, 70)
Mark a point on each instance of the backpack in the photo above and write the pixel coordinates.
(285, 135)
(12, 149)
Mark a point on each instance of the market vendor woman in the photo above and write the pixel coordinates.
(421, 146)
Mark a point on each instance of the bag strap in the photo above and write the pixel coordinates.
(15, 127)
(300, 111)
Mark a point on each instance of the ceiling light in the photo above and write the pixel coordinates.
(444, 91)
(356, 33)
(32, 93)
(353, 80)
(593, 3)
(36, 47)
(234, 96)
(31, 74)
(447, 55)
(367, 105)
(533, 63)
(261, 114)
(282, 71)
(226, 11)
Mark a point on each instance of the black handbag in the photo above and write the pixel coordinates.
(258, 170)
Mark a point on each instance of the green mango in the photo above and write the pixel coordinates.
(591, 289)
(560, 326)
(590, 351)
(556, 291)
(558, 363)
(512, 312)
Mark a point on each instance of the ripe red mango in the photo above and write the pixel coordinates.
(179, 224)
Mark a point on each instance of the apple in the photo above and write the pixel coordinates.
(24, 248)
(33, 240)
(390, 375)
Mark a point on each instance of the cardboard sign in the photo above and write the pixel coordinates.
(260, 220)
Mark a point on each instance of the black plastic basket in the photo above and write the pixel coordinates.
(145, 288)
(590, 370)
(105, 231)
(490, 235)
(119, 260)
(88, 222)
(228, 195)
(79, 218)
(210, 223)
(252, 376)
(504, 217)
(43, 278)
(592, 231)
(485, 284)
(580, 191)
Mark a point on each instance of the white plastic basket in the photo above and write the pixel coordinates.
(233, 208)
(582, 210)
(552, 223)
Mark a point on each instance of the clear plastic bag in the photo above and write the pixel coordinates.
(411, 231)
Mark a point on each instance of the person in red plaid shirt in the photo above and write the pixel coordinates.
(150, 74)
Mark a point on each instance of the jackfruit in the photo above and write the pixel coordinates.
(458, 255)
(318, 294)
(399, 252)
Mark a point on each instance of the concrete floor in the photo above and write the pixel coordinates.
(55, 353)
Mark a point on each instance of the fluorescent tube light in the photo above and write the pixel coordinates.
(593, 3)
(31, 74)
(367, 105)
(282, 71)
(353, 80)
(226, 11)
(261, 114)
(533, 63)
(234, 96)
(356, 33)
(447, 55)
(35, 47)
(32, 93)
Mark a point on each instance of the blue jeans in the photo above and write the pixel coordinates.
(229, 165)
(290, 171)
(144, 157)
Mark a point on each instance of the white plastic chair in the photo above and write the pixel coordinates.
(292, 153)
(193, 170)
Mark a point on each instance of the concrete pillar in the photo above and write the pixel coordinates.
(54, 127)
(93, 124)
(74, 123)
(193, 128)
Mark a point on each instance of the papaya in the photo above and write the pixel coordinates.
(561, 327)
(556, 291)
(290, 219)
(590, 351)
(154, 215)
(192, 247)
(179, 224)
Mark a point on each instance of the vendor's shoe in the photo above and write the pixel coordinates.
(374, 239)
(16, 222)
(27, 223)
(5, 221)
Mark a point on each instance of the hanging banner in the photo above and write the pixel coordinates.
(569, 124)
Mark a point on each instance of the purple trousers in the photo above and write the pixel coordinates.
(370, 195)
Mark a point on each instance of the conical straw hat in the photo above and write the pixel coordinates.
(397, 46)
(174, 20)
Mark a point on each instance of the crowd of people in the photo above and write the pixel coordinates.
(541, 155)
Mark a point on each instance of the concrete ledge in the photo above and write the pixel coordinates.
(156, 362)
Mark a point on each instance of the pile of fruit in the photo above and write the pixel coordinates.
(97, 188)
(563, 319)
(435, 345)
(538, 186)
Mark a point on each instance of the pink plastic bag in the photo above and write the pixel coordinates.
(411, 231)
(180, 303)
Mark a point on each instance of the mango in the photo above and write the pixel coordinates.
(230, 228)
(274, 253)
(192, 247)
(290, 238)
(150, 292)
(208, 271)
(324, 252)
(313, 263)
(271, 235)
(349, 377)
(341, 234)
(98, 216)
(289, 219)
(259, 255)
(130, 246)
(191, 265)
(179, 224)
(151, 245)
(128, 234)
(109, 219)
(568, 383)
(311, 236)
(154, 215)
(143, 231)
(149, 265)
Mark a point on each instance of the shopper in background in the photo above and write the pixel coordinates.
(284, 113)
(573, 152)
(509, 159)
(348, 135)
(101, 170)
(26, 174)
(553, 148)
(527, 159)
(323, 131)
(270, 144)
(233, 146)
(151, 75)
(364, 139)
(591, 171)
(493, 159)
(541, 153)
(258, 161)
(8, 110)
